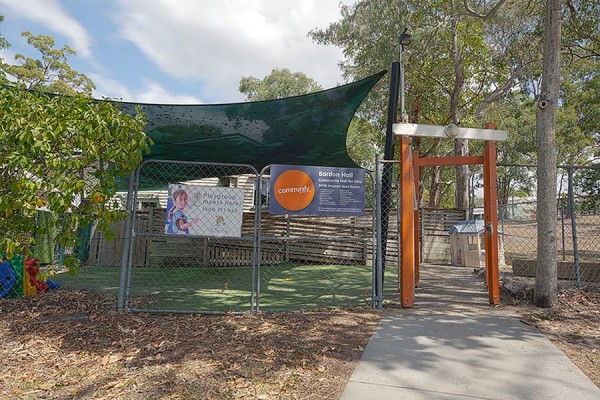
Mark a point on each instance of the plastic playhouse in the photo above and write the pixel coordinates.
(466, 243)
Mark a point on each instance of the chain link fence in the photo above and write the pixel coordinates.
(195, 254)
(578, 219)
(309, 262)
(389, 225)
(220, 250)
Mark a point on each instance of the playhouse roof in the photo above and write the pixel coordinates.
(474, 226)
(302, 130)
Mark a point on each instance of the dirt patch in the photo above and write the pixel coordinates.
(72, 344)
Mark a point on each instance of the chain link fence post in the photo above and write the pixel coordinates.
(378, 271)
(126, 244)
(573, 225)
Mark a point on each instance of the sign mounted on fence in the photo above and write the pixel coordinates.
(205, 211)
(317, 190)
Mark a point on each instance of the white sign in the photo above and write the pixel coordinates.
(204, 211)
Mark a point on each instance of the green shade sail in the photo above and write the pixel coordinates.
(302, 130)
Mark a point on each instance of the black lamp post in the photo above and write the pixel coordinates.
(405, 40)
(396, 91)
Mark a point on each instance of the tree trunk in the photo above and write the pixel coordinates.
(461, 146)
(434, 187)
(545, 294)
(503, 192)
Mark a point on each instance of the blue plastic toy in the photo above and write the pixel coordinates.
(7, 278)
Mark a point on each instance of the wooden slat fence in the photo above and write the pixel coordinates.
(435, 224)
(297, 238)
(293, 239)
(108, 252)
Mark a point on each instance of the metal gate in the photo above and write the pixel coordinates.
(214, 247)
(200, 248)
(312, 261)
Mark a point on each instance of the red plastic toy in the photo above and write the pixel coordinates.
(33, 268)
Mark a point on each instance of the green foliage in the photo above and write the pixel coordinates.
(63, 154)
(492, 62)
(3, 45)
(581, 31)
(50, 73)
(578, 119)
(456, 66)
(278, 84)
(587, 184)
(363, 142)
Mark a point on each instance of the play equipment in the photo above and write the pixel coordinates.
(18, 278)
(32, 269)
(17, 265)
(32, 285)
(7, 278)
(410, 162)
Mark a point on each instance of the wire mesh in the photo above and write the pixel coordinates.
(194, 253)
(303, 262)
(309, 262)
(578, 226)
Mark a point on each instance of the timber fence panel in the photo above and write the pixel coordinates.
(435, 224)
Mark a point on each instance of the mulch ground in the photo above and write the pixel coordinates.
(573, 326)
(73, 345)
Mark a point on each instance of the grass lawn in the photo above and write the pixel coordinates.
(282, 287)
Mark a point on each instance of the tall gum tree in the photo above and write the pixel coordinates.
(545, 293)
(280, 83)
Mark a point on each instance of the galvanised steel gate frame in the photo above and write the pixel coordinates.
(258, 240)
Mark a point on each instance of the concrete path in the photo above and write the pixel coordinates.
(429, 353)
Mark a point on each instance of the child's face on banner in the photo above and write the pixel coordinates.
(180, 202)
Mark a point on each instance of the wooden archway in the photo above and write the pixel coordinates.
(409, 177)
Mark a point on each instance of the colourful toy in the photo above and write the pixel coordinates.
(7, 278)
(17, 264)
(33, 268)
(28, 288)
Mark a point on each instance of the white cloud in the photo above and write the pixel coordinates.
(218, 42)
(110, 88)
(51, 14)
(155, 93)
(7, 56)
(152, 92)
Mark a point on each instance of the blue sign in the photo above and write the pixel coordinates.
(327, 191)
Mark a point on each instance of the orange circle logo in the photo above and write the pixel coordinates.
(294, 190)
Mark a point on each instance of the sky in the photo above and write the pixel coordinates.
(178, 51)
